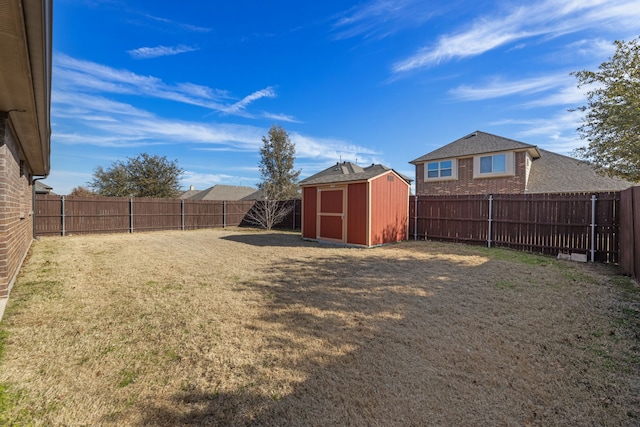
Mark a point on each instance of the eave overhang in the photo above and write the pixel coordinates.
(25, 77)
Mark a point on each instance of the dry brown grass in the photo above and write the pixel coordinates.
(236, 327)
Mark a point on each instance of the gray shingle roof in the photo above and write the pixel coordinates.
(223, 192)
(348, 172)
(188, 194)
(475, 143)
(555, 173)
(42, 188)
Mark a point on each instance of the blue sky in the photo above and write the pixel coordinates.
(379, 81)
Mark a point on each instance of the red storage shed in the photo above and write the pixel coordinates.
(349, 204)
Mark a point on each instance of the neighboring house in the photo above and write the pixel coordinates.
(482, 163)
(25, 93)
(41, 188)
(221, 192)
(190, 192)
(364, 206)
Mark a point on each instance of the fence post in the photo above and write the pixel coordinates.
(415, 218)
(593, 227)
(490, 220)
(131, 215)
(224, 214)
(182, 214)
(293, 226)
(62, 215)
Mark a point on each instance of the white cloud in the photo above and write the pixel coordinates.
(74, 76)
(188, 27)
(202, 181)
(108, 123)
(158, 51)
(244, 102)
(333, 150)
(499, 87)
(557, 133)
(380, 18)
(281, 117)
(550, 18)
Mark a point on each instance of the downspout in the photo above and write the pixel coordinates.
(33, 200)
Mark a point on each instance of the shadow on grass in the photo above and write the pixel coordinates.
(382, 340)
(269, 239)
(294, 240)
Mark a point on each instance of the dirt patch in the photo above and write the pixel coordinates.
(235, 327)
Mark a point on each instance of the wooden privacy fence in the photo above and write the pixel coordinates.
(62, 215)
(541, 223)
(630, 236)
(603, 226)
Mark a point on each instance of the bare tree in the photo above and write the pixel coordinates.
(279, 180)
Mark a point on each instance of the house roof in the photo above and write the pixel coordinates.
(348, 172)
(477, 143)
(42, 188)
(25, 76)
(188, 194)
(222, 192)
(555, 173)
(550, 172)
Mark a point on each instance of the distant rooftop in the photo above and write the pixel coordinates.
(220, 192)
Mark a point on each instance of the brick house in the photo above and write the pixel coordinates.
(25, 90)
(482, 163)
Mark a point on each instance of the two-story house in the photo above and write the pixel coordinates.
(482, 163)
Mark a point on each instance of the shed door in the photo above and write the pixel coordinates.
(331, 221)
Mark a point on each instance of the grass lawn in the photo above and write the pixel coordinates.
(238, 327)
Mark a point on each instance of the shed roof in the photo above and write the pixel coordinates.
(477, 143)
(349, 172)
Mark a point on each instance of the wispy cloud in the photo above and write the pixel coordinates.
(95, 120)
(75, 76)
(330, 149)
(244, 102)
(543, 91)
(499, 87)
(281, 117)
(158, 51)
(558, 131)
(550, 18)
(202, 181)
(188, 27)
(380, 18)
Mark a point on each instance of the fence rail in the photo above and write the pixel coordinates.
(62, 215)
(541, 223)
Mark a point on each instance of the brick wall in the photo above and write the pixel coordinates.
(16, 226)
(466, 184)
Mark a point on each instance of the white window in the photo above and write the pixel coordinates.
(441, 170)
(500, 164)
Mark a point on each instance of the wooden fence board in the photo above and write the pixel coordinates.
(540, 223)
(114, 214)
